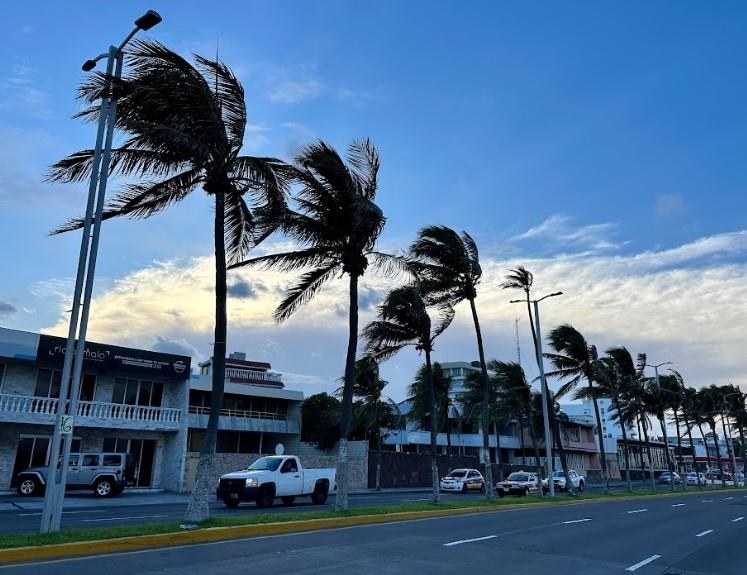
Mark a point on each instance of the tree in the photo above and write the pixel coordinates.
(655, 403)
(671, 396)
(321, 421)
(689, 414)
(404, 320)
(449, 264)
(445, 404)
(372, 409)
(737, 412)
(522, 279)
(184, 128)
(574, 359)
(709, 407)
(337, 223)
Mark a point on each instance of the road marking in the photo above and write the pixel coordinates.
(576, 521)
(702, 533)
(637, 511)
(123, 518)
(38, 513)
(678, 505)
(707, 501)
(737, 519)
(642, 563)
(415, 500)
(469, 540)
(730, 498)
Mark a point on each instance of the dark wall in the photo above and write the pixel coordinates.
(413, 469)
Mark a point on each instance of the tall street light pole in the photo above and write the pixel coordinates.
(664, 422)
(545, 392)
(75, 350)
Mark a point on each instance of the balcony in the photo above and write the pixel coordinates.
(237, 375)
(42, 411)
(406, 437)
(239, 420)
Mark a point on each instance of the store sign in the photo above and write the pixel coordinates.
(100, 358)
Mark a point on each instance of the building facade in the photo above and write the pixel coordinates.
(130, 400)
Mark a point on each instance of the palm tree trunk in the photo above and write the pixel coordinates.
(489, 491)
(533, 438)
(378, 446)
(670, 466)
(448, 431)
(679, 448)
(708, 453)
(600, 435)
(198, 508)
(712, 425)
(626, 452)
(744, 453)
(730, 453)
(640, 449)
(497, 444)
(521, 439)
(434, 428)
(343, 477)
(692, 447)
(650, 456)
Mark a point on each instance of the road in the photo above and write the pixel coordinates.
(22, 515)
(682, 534)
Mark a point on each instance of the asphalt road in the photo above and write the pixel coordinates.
(682, 534)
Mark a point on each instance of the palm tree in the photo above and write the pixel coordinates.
(405, 320)
(671, 390)
(635, 407)
(688, 406)
(656, 404)
(371, 408)
(184, 128)
(419, 392)
(449, 264)
(522, 279)
(738, 414)
(575, 360)
(709, 406)
(337, 223)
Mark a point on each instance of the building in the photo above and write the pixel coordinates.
(130, 400)
(257, 414)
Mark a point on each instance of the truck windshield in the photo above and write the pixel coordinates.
(266, 464)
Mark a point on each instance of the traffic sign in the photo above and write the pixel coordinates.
(66, 424)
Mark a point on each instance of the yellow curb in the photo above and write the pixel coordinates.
(137, 542)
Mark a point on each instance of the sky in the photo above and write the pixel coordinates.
(600, 144)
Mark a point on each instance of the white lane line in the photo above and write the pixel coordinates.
(737, 519)
(123, 518)
(415, 500)
(642, 563)
(575, 521)
(38, 513)
(469, 540)
(730, 498)
(707, 501)
(702, 533)
(637, 511)
(678, 505)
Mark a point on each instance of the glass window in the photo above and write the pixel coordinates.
(118, 394)
(289, 466)
(196, 437)
(248, 442)
(2, 375)
(227, 442)
(43, 380)
(73, 461)
(112, 460)
(91, 460)
(130, 397)
(156, 396)
(87, 387)
(110, 444)
(143, 396)
(266, 464)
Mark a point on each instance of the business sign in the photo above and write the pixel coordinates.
(66, 424)
(101, 358)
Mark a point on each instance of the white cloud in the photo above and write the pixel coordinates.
(669, 204)
(559, 232)
(291, 91)
(18, 91)
(687, 305)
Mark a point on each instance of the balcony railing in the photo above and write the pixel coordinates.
(87, 410)
(268, 376)
(199, 410)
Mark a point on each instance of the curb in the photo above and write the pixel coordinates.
(138, 542)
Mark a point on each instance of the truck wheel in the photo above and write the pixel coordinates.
(580, 486)
(288, 501)
(29, 486)
(266, 497)
(232, 503)
(526, 492)
(103, 488)
(319, 497)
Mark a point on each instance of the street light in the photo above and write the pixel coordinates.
(664, 423)
(545, 392)
(74, 351)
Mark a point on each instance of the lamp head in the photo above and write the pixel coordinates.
(88, 65)
(148, 20)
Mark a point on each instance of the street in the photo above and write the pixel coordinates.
(687, 533)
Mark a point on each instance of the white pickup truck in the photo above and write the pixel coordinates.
(276, 476)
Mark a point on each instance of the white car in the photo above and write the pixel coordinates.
(694, 478)
(463, 481)
(577, 481)
(520, 483)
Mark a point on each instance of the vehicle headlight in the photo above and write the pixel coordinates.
(251, 482)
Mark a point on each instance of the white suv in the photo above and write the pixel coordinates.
(577, 481)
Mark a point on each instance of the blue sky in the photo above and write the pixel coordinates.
(604, 143)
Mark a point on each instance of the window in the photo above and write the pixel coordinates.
(2, 375)
(289, 466)
(195, 439)
(48, 383)
(136, 392)
(73, 461)
(112, 460)
(236, 442)
(90, 461)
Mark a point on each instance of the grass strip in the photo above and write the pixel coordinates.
(11, 541)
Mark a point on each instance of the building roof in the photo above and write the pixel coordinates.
(232, 362)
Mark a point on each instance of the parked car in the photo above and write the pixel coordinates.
(520, 483)
(715, 474)
(463, 481)
(107, 474)
(276, 476)
(694, 478)
(577, 481)
(666, 478)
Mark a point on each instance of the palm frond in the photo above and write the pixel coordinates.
(289, 261)
(304, 290)
(365, 160)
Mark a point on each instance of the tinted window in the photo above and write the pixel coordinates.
(90, 461)
(73, 461)
(266, 464)
(458, 473)
(112, 460)
(290, 466)
(518, 477)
